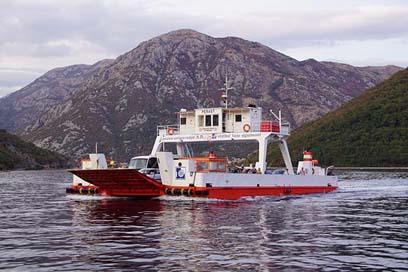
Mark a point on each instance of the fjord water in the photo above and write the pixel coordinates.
(363, 226)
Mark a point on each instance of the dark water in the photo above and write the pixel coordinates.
(363, 226)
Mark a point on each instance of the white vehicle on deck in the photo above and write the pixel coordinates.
(147, 165)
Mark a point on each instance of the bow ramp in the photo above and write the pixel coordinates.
(121, 182)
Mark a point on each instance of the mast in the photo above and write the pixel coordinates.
(226, 89)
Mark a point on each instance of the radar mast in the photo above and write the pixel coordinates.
(226, 88)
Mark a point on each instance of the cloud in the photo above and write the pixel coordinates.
(120, 25)
(299, 28)
(44, 34)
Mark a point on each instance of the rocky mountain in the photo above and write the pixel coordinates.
(369, 130)
(120, 104)
(20, 109)
(17, 154)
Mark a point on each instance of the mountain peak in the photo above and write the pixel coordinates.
(184, 31)
(181, 34)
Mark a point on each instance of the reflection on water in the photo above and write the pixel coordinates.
(362, 226)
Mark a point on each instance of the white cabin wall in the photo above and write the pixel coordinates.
(189, 167)
(229, 122)
(189, 127)
(255, 119)
(245, 119)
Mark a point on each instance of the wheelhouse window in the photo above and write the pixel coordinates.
(215, 120)
(183, 120)
(201, 120)
(208, 120)
(238, 118)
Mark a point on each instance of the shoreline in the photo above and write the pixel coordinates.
(371, 169)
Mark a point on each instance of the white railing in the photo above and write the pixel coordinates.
(264, 126)
(168, 130)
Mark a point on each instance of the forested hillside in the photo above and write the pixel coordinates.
(369, 130)
(17, 154)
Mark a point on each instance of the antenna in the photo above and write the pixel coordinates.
(226, 89)
(278, 117)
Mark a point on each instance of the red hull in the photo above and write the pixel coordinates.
(131, 183)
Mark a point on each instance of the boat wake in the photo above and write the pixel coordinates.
(189, 199)
(90, 197)
(242, 199)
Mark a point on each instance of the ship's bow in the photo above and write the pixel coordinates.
(121, 182)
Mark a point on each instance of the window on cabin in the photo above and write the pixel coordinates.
(202, 166)
(137, 163)
(201, 120)
(183, 120)
(238, 118)
(215, 120)
(213, 166)
(208, 120)
(221, 166)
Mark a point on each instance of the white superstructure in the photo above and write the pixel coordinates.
(226, 124)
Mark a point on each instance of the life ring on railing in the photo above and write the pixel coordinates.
(246, 127)
(170, 131)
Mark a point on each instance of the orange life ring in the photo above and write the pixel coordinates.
(246, 127)
(170, 131)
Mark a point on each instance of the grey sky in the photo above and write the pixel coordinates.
(38, 35)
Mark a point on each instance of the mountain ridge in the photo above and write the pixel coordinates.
(120, 104)
(52, 88)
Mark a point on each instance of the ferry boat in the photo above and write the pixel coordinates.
(182, 174)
